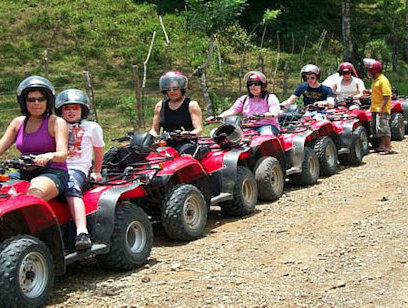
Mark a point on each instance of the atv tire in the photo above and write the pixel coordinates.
(269, 178)
(184, 213)
(131, 239)
(397, 126)
(355, 157)
(326, 152)
(245, 194)
(310, 169)
(26, 272)
(361, 132)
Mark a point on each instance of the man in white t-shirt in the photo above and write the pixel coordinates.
(85, 140)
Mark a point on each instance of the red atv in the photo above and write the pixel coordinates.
(178, 191)
(320, 135)
(38, 238)
(262, 155)
(399, 117)
(352, 135)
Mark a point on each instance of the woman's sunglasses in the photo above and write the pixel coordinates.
(254, 83)
(173, 89)
(36, 99)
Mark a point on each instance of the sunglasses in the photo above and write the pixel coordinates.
(311, 78)
(36, 99)
(73, 107)
(346, 73)
(173, 89)
(254, 83)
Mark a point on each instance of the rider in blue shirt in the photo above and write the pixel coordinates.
(312, 91)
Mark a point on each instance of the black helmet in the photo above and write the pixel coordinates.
(227, 135)
(72, 96)
(35, 83)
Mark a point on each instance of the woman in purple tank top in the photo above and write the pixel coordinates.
(41, 134)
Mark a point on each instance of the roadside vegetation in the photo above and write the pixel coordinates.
(61, 39)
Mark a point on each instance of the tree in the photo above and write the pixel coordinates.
(348, 44)
(210, 17)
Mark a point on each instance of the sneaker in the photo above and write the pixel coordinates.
(83, 241)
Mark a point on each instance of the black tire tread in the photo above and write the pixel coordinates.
(320, 145)
(238, 207)
(262, 171)
(306, 177)
(10, 252)
(172, 215)
(118, 258)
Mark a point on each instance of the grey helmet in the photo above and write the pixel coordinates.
(168, 78)
(35, 83)
(72, 96)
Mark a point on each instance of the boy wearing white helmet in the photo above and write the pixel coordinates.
(312, 90)
(85, 140)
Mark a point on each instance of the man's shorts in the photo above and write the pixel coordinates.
(58, 176)
(76, 181)
(380, 125)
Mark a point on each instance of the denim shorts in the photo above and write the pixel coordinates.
(267, 130)
(58, 176)
(76, 181)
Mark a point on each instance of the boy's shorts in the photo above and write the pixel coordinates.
(58, 176)
(76, 181)
(380, 125)
(267, 130)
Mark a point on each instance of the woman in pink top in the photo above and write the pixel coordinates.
(40, 134)
(258, 101)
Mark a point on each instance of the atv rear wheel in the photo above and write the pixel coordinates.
(26, 272)
(310, 169)
(326, 152)
(355, 157)
(184, 213)
(245, 194)
(361, 132)
(131, 239)
(269, 178)
(397, 127)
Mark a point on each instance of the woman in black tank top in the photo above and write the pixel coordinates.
(177, 112)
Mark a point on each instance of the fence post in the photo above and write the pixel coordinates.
(46, 64)
(285, 79)
(89, 90)
(139, 107)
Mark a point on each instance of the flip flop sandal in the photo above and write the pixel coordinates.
(387, 152)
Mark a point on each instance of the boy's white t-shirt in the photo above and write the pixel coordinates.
(82, 138)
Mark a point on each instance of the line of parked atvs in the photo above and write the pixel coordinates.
(146, 181)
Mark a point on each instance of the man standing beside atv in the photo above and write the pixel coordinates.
(312, 90)
(380, 105)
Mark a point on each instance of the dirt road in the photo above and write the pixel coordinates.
(342, 242)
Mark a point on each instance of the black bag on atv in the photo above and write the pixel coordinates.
(118, 158)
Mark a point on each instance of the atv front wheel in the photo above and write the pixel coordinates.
(245, 194)
(26, 272)
(397, 127)
(326, 152)
(310, 169)
(361, 132)
(131, 239)
(269, 178)
(355, 157)
(184, 213)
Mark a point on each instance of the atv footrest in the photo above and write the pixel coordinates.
(221, 198)
(343, 151)
(96, 249)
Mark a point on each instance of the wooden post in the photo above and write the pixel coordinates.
(46, 64)
(285, 78)
(139, 107)
(89, 90)
(145, 74)
(166, 48)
